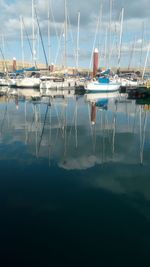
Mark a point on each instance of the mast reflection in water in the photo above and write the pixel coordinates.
(74, 184)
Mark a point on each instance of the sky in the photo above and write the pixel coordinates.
(50, 38)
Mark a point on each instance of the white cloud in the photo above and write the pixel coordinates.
(80, 163)
(135, 13)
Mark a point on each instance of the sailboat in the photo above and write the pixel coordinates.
(103, 84)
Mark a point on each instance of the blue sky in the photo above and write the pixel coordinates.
(99, 26)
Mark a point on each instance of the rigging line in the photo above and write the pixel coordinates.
(72, 37)
(41, 38)
(131, 53)
(4, 59)
(142, 43)
(100, 26)
(95, 37)
(59, 44)
(54, 22)
(28, 39)
(120, 37)
(147, 55)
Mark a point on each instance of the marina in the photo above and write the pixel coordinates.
(74, 133)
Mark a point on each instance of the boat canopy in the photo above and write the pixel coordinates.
(26, 69)
(103, 80)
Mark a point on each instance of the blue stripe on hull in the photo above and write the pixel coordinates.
(101, 91)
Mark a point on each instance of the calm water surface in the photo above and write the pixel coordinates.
(74, 183)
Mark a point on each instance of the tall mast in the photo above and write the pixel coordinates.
(22, 44)
(96, 32)
(109, 45)
(105, 48)
(142, 43)
(131, 54)
(146, 60)
(33, 32)
(65, 34)
(49, 52)
(40, 34)
(100, 25)
(77, 63)
(120, 38)
(3, 57)
(3, 44)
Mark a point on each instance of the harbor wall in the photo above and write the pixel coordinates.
(8, 65)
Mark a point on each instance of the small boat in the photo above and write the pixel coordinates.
(26, 82)
(103, 84)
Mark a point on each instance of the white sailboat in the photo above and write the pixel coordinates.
(103, 84)
(26, 82)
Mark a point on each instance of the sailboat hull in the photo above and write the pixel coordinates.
(102, 87)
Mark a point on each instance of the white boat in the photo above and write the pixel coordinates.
(58, 83)
(3, 82)
(128, 82)
(103, 84)
(27, 82)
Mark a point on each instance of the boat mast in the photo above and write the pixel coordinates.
(100, 23)
(30, 46)
(3, 44)
(65, 34)
(22, 44)
(2, 51)
(77, 59)
(120, 39)
(131, 54)
(40, 34)
(146, 60)
(142, 43)
(49, 52)
(105, 48)
(110, 15)
(96, 32)
(33, 33)
(4, 61)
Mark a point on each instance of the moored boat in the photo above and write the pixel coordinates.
(103, 84)
(26, 82)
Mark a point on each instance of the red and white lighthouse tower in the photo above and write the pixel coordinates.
(95, 61)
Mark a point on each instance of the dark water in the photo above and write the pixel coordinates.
(73, 192)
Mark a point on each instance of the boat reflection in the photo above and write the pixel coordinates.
(77, 132)
(92, 97)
